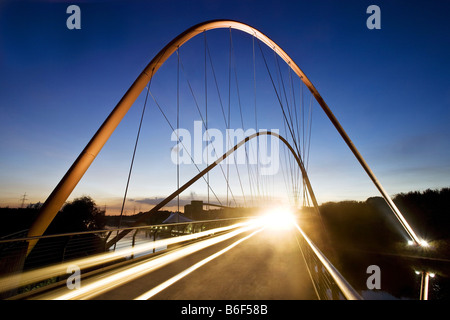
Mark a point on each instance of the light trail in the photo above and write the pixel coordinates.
(34, 276)
(189, 270)
(104, 283)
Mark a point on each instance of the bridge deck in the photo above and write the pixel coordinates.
(269, 265)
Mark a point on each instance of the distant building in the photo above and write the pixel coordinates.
(194, 210)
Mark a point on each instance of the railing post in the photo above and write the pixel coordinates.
(134, 241)
(106, 241)
(65, 247)
(154, 239)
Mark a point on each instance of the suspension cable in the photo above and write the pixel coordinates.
(206, 113)
(256, 115)
(184, 147)
(178, 128)
(279, 99)
(228, 124)
(223, 113)
(133, 156)
(233, 62)
(202, 119)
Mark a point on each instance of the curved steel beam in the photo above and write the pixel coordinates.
(209, 168)
(65, 187)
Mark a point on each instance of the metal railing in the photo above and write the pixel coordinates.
(56, 251)
(328, 282)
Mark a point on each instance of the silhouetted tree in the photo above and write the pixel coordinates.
(81, 214)
(35, 206)
(365, 224)
(427, 211)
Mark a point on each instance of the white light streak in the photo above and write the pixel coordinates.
(33, 276)
(115, 279)
(194, 267)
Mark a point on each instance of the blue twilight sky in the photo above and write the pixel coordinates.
(389, 88)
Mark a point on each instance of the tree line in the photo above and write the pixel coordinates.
(81, 214)
(371, 223)
(371, 220)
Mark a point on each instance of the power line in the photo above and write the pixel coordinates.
(23, 199)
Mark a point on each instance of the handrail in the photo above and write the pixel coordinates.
(12, 235)
(348, 291)
(44, 266)
(337, 279)
(116, 229)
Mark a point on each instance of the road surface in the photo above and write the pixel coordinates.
(267, 265)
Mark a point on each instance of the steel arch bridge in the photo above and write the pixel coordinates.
(75, 173)
(62, 191)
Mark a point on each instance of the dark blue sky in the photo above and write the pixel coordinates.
(389, 88)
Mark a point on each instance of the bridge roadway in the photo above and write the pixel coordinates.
(268, 265)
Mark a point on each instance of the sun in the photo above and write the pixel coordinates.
(278, 218)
